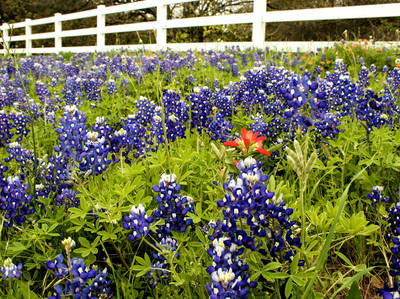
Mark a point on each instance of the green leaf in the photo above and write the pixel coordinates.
(344, 258)
(147, 259)
(254, 276)
(141, 270)
(196, 219)
(200, 235)
(294, 264)
(274, 275)
(84, 242)
(351, 281)
(140, 260)
(83, 251)
(298, 279)
(107, 235)
(15, 248)
(288, 288)
(272, 266)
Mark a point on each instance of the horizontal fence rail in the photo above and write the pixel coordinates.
(258, 18)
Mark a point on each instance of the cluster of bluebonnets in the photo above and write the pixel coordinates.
(391, 226)
(76, 279)
(281, 104)
(9, 270)
(268, 230)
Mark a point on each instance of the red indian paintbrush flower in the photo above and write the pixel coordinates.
(249, 142)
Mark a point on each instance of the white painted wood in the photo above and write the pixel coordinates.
(101, 25)
(43, 21)
(28, 36)
(44, 35)
(79, 32)
(17, 25)
(142, 4)
(79, 15)
(334, 13)
(130, 27)
(243, 18)
(131, 6)
(17, 38)
(161, 22)
(57, 33)
(258, 34)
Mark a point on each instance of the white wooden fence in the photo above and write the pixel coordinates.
(258, 18)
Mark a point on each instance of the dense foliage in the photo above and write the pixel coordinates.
(234, 174)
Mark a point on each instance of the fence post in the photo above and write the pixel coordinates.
(28, 37)
(101, 25)
(57, 33)
(161, 30)
(258, 35)
(5, 39)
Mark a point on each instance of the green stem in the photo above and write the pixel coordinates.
(121, 257)
(134, 258)
(111, 266)
(302, 211)
(151, 245)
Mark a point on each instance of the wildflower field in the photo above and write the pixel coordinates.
(201, 174)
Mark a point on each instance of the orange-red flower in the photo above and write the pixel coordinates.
(249, 142)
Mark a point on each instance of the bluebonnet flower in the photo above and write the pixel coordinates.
(44, 95)
(133, 138)
(73, 90)
(176, 114)
(15, 201)
(328, 125)
(20, 124)
(219, 128)
(85, 282)
(228, 284)
(229, 272)
(201, 107)
(390, 293)
(72, 132)
(61, 270)
(92, 89)
(102, 128)
(145, 111)
(67, 198)
(392, 234)
(173, 207)
(111, 87)
(19, 154)
(377, 195)
(9, 270)
(138, 222)
(94, 157)
(81, 281)
(159, 269)
(235, 70)
(269, 230)
(6, 127)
